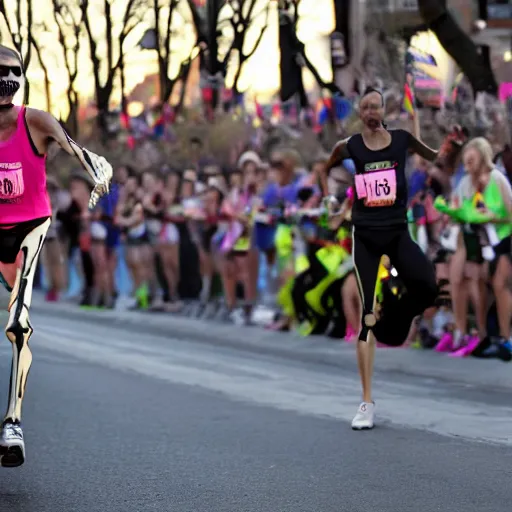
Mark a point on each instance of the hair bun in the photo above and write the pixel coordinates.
(370, 89)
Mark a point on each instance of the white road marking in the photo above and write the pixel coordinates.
(271, 383)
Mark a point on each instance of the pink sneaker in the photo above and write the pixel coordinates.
(445, 344)
(473, 342)
(470, 344)
(351, 334)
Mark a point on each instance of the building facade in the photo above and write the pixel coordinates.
(493, 36)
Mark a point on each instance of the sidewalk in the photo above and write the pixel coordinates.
(405, 361)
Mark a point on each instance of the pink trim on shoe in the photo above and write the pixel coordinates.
(461, 352)
(473, 342)
(445, 344)
(465, 351)
(351, 334)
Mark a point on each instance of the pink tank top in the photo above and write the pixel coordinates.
(23, 193)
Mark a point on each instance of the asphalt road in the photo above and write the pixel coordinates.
(116, 419)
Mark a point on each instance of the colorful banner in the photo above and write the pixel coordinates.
(422, 71)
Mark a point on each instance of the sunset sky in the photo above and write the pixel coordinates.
(260, 75)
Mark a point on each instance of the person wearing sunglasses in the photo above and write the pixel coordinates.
(25, 216)
(379, 218)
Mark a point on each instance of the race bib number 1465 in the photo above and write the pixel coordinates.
(11, 182)
(377, 188)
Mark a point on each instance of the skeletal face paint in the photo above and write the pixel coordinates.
(11, 80)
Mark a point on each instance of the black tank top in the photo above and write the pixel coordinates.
(385, 204)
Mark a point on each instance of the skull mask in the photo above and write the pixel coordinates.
(11, 80)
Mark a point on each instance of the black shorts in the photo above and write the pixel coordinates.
(473, 248)
(12, 237)
(504, 248)
(138, 241)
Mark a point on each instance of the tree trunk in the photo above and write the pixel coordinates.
(458, 45)
(122, 75)
(167, 88)
(72, 120)
(238, 74)
(47, 88)
(48, 93)
(214, 66)
(184, 84)
(47, 83)
(26, 95)
(102, 104)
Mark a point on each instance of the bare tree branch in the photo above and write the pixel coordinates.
(133, 13)
(242, 20)
(20, 32)
(164, 50)
(3, 11)
(260, 37)
(44, 67)
(68, 19)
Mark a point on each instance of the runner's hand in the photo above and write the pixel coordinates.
(101, 173)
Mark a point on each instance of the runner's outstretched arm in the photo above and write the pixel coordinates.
(418, 147)
(339, 153)
(415, 144)
(45, 129)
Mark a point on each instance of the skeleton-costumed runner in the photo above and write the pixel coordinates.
(25, 216)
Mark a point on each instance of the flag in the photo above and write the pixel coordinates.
(322, 111)
(342, 108)
(276, 115)
(259, 109)
(408, 103)
(478, 200)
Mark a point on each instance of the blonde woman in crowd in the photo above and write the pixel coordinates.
(495, 194)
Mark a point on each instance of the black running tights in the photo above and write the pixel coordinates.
(88, 269)
(413, 267)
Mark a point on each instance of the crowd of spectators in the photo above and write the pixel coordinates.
(186, 237)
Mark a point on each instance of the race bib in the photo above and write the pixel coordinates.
(11, 181)
(377, 188)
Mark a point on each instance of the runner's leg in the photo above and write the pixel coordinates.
(367, 258)
(18, 332)
(417, 274)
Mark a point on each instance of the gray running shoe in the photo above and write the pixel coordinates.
(12, 445)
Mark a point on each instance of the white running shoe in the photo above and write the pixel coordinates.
(363, 420)
(12, 445)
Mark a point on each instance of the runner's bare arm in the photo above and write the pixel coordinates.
(339, 153)
(44, 129)
(418, 147)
